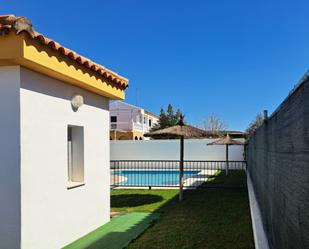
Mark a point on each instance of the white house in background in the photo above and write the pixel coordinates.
(129, 122)
(54, 146)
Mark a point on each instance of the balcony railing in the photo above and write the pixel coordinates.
(113, 126)
(129, 126)
(138, 126)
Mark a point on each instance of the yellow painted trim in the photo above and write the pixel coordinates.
(21, 50)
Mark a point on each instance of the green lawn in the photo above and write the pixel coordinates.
(213, 216)
(140, 200)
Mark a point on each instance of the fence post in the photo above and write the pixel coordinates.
(181, 168)
(227, 160)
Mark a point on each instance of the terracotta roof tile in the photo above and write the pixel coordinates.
(22, 24)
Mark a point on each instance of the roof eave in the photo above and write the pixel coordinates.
(24, 51)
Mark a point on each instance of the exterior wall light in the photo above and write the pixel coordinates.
(77, 101)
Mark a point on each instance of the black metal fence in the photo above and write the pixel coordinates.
(165, 173)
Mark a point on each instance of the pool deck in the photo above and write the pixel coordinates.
(114, 179)
(199, 179)
(189, 183)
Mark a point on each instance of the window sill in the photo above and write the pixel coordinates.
(75, 184)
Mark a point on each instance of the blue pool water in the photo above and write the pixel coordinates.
(152, 177)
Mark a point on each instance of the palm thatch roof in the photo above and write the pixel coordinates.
(227, 140)
(177, 131)
(223, 133)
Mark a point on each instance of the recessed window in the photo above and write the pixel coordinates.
(149, 122)
(114, 119)
(75, 144)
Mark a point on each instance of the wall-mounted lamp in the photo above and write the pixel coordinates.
(77, 101)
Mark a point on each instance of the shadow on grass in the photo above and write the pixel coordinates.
(215, 215)
(134, 200)
(234, 179)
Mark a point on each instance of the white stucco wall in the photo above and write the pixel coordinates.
(52, 215)
(195, 149)
(9, 158)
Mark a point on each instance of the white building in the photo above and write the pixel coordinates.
(129, 122)
(54, 146)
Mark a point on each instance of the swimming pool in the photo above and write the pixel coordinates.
(151, 177)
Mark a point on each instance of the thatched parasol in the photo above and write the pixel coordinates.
(227, 141)
(177, 131)
(182, 131)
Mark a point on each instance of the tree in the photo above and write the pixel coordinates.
(214, 124)
(163, 121)
(168, 118)
(256, 123)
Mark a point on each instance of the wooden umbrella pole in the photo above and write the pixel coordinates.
(181, 168)
(227, 160)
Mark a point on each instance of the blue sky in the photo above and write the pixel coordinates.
(233, 58)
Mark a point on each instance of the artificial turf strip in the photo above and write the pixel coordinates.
(117, 233)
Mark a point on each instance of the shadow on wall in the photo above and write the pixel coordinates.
(59, 90)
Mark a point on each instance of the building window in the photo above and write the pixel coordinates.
(149, 122)
(113, 119)
(75, 144)
(144, 120)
